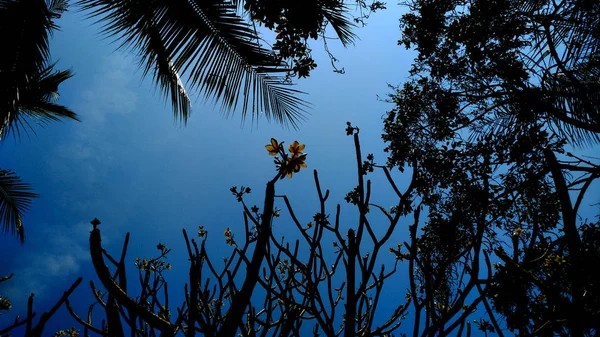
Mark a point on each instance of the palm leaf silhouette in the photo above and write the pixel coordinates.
(209, 43)
(28, 84)
(566, 41)
(15, 200)
(28, 90)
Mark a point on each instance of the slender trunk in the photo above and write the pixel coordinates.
(4, 119)
(350, 321)
(573, 243)
(8, 101)
(241, 300)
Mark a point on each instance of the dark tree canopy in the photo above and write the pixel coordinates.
(512, 63)
(497, 92)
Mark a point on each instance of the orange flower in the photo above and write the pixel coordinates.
(559, 259)
(229, 237)
(295, 164)
(273, 148)
(287, 164)
(296, 148)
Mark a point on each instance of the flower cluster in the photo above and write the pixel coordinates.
(320, 219)
(287, 164)
(67, 333)
(5, 303)
(240, 194)
(398, 252)
(229, 237)
(202, 232)
(554, 260)
(309, 225)
(156, 265)
(152, 264)
(283, 267)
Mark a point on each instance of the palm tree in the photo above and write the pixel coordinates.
(28, 83)
(566, 39)
(15, 199)
(37, 102)
(563, 64)
(28, 91)
(216, 49)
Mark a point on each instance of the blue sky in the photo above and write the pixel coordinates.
(131, 165)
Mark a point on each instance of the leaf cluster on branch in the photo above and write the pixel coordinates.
(497, 92)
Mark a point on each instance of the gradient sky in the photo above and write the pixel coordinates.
(131, 165)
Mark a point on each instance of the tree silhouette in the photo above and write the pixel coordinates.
(270, 287)
(28, 91)
(491, 105)
(28, 81)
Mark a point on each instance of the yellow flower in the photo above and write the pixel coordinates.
(554, 259)
(229, 237)
(548, 261)
(296, 148)
(559, 259)
(274, 147)
(294, 165)
(288, 165)
(297, 162)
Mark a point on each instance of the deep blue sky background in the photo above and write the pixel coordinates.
(132, 166)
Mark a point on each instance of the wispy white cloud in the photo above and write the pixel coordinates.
(56, 253)
(58, 258)
(108, 94)
(111, 90)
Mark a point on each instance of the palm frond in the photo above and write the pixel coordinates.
(37, 103)
(207, 42)
(15, 199)
(57, 7)
(576, 113)
(566, 43)
(341, 24)
(27, 26)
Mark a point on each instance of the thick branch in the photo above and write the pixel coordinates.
(242, 298)
(113, 288)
